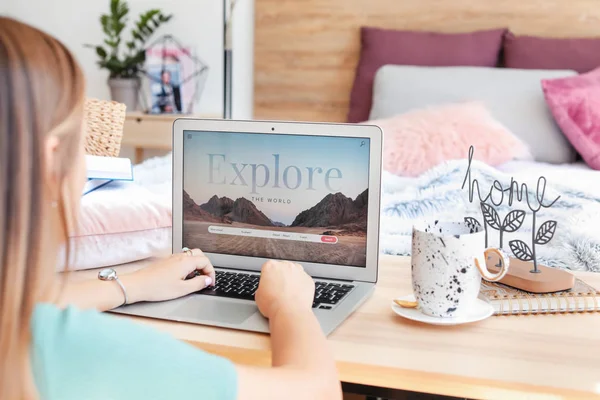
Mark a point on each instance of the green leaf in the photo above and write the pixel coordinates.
(104, 21)
(122, 11)
(151, 13)
(114, 65)
(113, 62)
(110, 43)
(114, 6)
(165, 18)
(130, 45)
(136, 35)
(101, 52)
(119, 28)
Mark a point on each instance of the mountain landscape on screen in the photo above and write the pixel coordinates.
(193, 212)
(218, 206)
(224, 210)
(337, 213)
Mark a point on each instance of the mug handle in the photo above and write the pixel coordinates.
(487, 275)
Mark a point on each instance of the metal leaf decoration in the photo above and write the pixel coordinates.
(472, 223)
(490, 215)
(546, 232)
(513, 221)
(521, 250)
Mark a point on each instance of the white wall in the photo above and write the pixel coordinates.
(197, 23)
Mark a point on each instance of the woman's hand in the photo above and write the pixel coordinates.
(284, 285)
(166, 279)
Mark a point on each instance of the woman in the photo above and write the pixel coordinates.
(50, 351)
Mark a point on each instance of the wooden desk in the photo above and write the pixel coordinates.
(151, 131)
(537, 357)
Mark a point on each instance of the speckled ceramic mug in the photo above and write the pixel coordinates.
(448, 262)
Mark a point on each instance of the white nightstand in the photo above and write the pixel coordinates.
(152, 131)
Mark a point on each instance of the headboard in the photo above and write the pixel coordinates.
(306, 51)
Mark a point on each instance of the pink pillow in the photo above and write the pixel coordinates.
(575, 104)
(119, 223)
(421, 139)
(380, 47)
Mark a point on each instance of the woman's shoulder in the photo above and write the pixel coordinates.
(76, 350)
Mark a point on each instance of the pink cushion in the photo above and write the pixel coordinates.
(421, 139)
(575, 104)
(119, 223)
(380, 47)
(530, 52)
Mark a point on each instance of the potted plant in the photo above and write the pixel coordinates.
(125, 63)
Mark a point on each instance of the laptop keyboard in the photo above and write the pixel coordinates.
(240, 285)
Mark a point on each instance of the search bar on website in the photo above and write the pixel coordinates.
(266, 234)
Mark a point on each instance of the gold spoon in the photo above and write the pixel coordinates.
(406, 303)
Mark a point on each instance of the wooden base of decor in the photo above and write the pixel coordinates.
(519, 276)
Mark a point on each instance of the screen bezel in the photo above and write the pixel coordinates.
(371, 132)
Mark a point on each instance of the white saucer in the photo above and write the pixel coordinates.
(480, 311)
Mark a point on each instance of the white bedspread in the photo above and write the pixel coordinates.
(437, 194)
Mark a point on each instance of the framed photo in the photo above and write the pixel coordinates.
(173, 78)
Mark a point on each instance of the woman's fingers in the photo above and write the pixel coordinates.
(196, 252)
(197, 261)
(198, 283)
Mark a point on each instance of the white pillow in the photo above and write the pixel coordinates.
(124, 221)
(513, 96)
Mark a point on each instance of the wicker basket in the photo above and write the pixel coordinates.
(104, 121)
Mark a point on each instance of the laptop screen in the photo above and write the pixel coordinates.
(288, 197)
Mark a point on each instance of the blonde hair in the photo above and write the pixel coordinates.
(42, 95)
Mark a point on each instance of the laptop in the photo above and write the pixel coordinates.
(245, 192)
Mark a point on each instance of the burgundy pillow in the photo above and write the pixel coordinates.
(530, 52)
(575, 104)
(380, 47)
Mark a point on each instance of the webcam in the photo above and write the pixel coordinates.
(272, 128)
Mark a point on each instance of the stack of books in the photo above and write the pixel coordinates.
(103, 170)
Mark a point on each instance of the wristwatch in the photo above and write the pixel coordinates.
(109, 274)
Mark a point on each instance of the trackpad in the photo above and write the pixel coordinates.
(210, 309)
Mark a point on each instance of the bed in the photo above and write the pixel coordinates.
(309, 59)
(438, 194)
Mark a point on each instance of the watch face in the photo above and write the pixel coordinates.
(108, 274)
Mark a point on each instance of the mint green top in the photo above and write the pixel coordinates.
(88, 355)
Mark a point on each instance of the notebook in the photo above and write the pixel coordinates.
(114, 168)
(103, 170)
(93, 184)
(507, 300)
